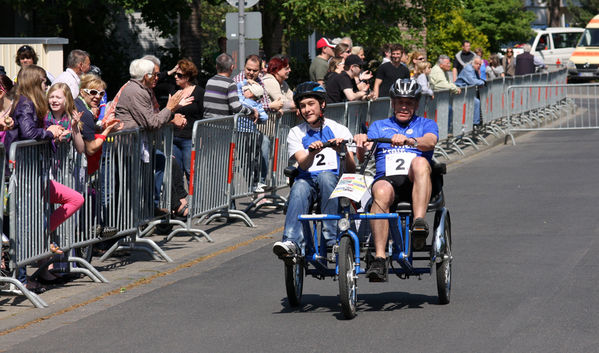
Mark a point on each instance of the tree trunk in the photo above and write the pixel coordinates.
(555, 13)
(272, 28)
(191, 34)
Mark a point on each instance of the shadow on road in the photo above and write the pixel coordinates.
(387, 301)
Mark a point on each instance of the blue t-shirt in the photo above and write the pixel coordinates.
(386, 128)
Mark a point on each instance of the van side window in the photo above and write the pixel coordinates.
(543, 43)
(565, 40)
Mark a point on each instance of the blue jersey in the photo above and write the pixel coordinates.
(301, 136)
(386, 128)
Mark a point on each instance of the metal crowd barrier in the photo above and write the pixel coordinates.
(556, 107)
(26, 250)
(127, 168)
(270, 197)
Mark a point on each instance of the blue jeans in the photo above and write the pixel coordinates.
(302, 195)
(160, 164)
(182, 152)
(265, 150)
(476, 111)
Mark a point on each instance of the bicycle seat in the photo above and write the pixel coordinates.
(437, 200)
(291, 172)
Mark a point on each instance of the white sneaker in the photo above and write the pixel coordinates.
(260, 187)
(5, 240)
(284, 249)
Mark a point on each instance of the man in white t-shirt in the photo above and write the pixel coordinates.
(318, 169)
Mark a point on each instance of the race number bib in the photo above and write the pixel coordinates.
(398, 163)
(324, 160)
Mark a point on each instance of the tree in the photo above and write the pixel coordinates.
(501, 21)
(447, 34)
(582, 11)
(91, 25)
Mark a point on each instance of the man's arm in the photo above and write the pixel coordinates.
(377, 85)
(353, 96)
(426, 142)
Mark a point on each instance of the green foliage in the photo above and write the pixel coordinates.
(501, 21)
(212, 26)
(582, 12)
(449, 31)
(301, 17)
(91, 25)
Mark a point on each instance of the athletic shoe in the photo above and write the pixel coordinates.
(260, 187)
(377, 272)
(419, 233)
(108, 231)
(285, 250)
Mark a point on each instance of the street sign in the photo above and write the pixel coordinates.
(253, 25)
(251, 47)
(248, 3)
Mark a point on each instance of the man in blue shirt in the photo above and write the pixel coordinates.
(470, 76)
(402, 168)
(318, 169)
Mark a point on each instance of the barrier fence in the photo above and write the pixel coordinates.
(230, 157)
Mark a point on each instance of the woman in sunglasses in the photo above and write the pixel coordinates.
(508, 62)
(342, 50)
(186, 78)
(414, 58)
(92, 89)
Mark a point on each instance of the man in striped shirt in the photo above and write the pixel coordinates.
(221, 97)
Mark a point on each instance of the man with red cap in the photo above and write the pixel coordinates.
(320, 64)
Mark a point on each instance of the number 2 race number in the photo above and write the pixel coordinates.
(324, 160)
(398, 163)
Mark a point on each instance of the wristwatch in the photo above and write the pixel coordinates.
(415, 142)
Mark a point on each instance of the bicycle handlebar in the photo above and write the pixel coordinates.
(331, 144)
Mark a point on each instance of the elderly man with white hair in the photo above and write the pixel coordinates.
(526, 63)
(136, 104)
(470, 76)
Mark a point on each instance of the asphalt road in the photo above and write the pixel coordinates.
(525, 278)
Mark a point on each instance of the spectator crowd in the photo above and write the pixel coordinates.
(74, 107)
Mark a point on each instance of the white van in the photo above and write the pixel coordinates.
(585, 59)
(554, 44)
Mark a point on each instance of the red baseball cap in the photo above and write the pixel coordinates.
(323, 42)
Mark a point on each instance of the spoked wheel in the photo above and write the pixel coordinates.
(294, 282)
(347, 278)
(444, 267)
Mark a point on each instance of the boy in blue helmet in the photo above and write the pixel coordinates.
(318, 168)
(402, 168)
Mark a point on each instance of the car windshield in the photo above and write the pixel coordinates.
(590, 38)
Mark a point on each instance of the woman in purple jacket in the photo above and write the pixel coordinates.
(30, 107)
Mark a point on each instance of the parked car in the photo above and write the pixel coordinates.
(554, 45)
(584, 62)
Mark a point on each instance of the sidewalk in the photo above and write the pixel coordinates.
(129, 272)
(126, 272)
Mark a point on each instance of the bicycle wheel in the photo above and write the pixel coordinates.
(294, 282)
(347, 278)
(444, 268)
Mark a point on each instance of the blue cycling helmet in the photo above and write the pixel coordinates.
(405, 88)
(309, 89)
